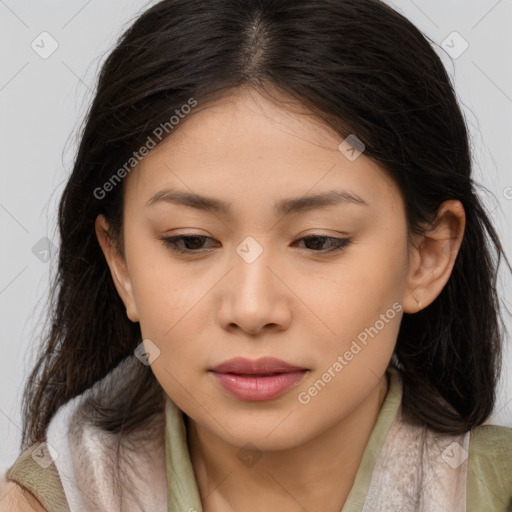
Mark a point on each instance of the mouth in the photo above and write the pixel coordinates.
(257, 380)
(260, 367)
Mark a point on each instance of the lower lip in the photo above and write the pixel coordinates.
(256, 389)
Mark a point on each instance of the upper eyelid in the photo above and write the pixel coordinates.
(312, 235)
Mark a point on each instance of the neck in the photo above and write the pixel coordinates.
(316, 475)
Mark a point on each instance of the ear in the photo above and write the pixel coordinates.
(433, 255)
(117, 265)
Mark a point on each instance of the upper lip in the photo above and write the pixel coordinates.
(262, 366)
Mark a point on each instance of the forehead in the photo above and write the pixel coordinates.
(244, 147)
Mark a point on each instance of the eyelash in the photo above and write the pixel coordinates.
(172, 243)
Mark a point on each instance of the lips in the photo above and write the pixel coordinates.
(257, 380)
(262, 366)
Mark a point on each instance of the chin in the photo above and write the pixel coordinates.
(270, 434)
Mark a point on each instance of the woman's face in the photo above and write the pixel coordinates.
(270, 271)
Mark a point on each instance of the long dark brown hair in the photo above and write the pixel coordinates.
(361, 67)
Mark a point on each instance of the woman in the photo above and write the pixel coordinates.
(276, 284)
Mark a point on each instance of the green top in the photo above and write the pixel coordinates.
(489, 477)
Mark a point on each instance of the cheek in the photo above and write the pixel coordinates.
(165, 294)
(362, 308)
(170, 307)
(364, 286)
(364, 312)
(170, 316)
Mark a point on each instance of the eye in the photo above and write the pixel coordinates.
(195, 243)
(192, 243)
(316, 243)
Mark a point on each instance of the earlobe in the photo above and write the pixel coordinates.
(433, 256)
(117, 266)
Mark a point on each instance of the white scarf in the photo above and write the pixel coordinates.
(416, 470)
(87, 456)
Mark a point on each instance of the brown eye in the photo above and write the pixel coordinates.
(316, 243)
(184, 243)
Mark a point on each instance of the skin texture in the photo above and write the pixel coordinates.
(15, 498)
(295, 302)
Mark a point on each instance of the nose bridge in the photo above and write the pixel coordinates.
(251, 273)
(254, 297)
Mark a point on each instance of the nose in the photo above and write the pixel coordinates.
(255, 297)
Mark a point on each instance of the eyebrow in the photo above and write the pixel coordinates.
(281, 207)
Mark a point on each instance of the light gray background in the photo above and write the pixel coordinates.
(43, 101)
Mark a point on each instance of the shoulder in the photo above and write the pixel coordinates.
(13, 498)
(33, 482)
(490, 466)
(491, 445)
